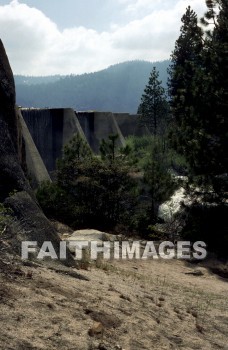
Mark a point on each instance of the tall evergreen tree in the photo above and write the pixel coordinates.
(185, 88)
(216, 85)
(153, 107)
(198, 88)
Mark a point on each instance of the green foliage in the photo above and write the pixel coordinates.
(185, 88)
(108, 148)
(5, 217)
(77, 149)
(89, 191)
(138, 143)
(74, 153)
(112, 153)
(198, 90)
(57, 203)
(158, 179)
(216, 86)
(154, 107)
(208, 223)
(154, 234)
(109, 191)
(141, 148)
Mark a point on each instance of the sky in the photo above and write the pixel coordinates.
(47, 37)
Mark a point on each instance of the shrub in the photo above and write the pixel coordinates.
(56, 202)
(5, 217)
(88, 191)
(208, 223)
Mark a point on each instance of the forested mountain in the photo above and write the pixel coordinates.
(117, 88)
(30, 80)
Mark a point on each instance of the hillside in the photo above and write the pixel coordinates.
(117, 88)
(30, 80)
(126, 305)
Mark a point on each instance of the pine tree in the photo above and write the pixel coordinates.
(198, 88)
(186, 91)
(108, 148)
(216, 85)
(153, 107)
(158, 180)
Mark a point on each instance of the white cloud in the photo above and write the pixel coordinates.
(137, 6)
(145, 6)
(26, 34)
(154, 35)
(36, 46)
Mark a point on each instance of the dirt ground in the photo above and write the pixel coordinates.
(131, 305)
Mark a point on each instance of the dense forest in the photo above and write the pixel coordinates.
(117, 88)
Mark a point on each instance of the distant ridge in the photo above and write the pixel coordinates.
(117, 88)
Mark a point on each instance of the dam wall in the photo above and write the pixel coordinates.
(97, 126)
(35, 168)
(129, 124)
(51, 129)
(47, 131)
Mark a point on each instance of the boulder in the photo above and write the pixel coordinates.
(7, 95)
(28, 218)
(88, 235)
(31, 224)
(11, 174)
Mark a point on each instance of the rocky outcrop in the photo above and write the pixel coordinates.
(7, 94)
(32, 224)
(11, 175)
(26, 212)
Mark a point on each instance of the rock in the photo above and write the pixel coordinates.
(91, 235)
(61, 228)
(29, 222)
(96, 330)
(125, 297)
(11, 174)
(88, 236)
(7, 94)
(32, 223)
(108, 321)
(103, 346)
(199, 271)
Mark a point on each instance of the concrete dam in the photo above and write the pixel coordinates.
(47, 131)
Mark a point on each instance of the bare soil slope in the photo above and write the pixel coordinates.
(131, 305)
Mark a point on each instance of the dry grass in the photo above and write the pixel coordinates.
(127, 305)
